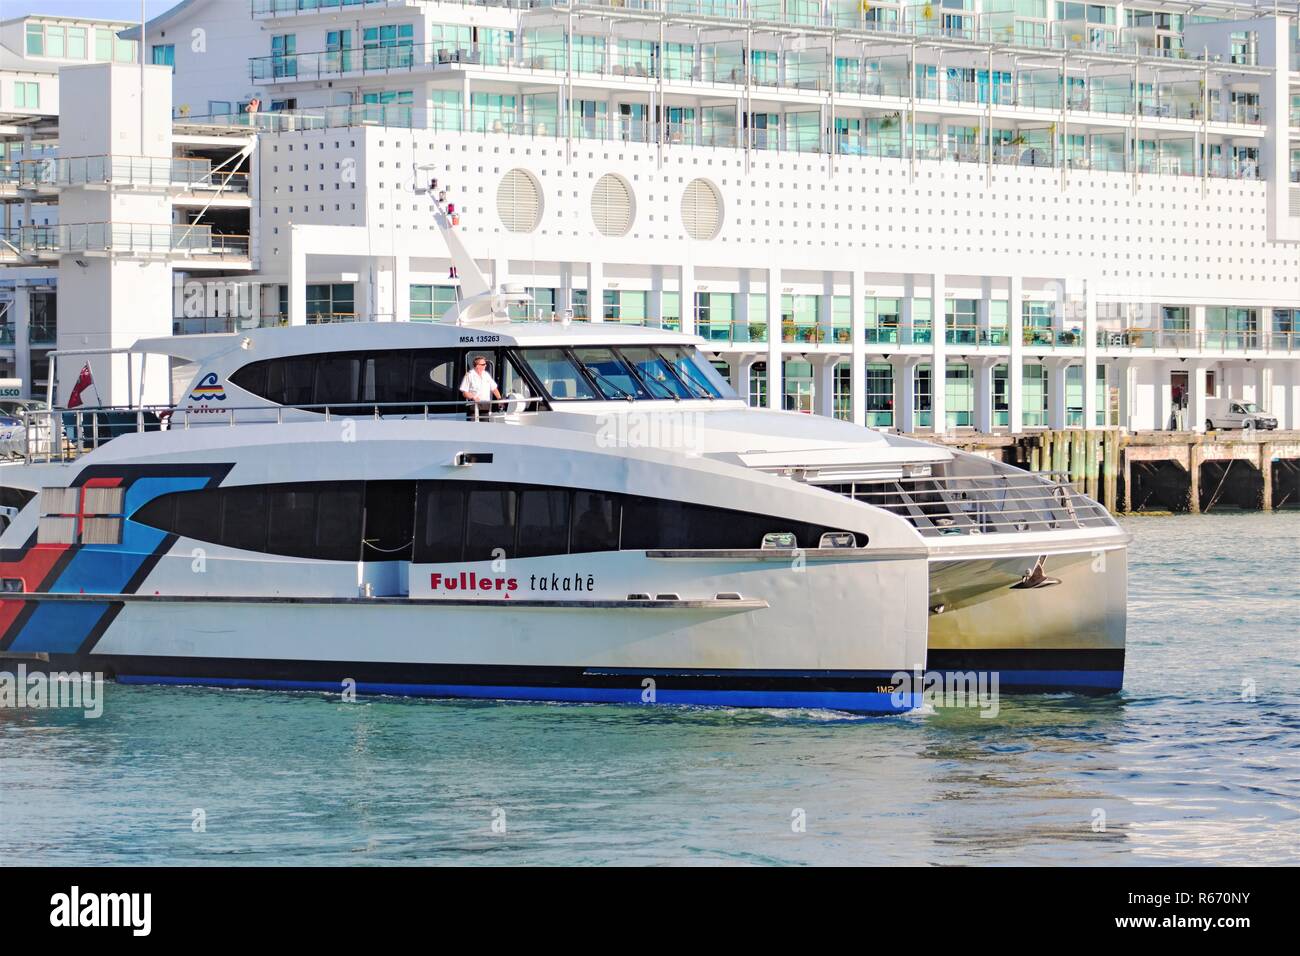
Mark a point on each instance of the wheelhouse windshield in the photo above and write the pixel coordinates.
(657, 374)
(697, 371)
(611, 374)
(558, 374)
(641, 373)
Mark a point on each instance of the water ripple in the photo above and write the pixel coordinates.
(1196, 762)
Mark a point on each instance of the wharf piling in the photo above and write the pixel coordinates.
(1156, 471)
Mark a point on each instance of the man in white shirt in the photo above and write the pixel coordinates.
(480, 388)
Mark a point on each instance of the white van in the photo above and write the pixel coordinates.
(1235, 413)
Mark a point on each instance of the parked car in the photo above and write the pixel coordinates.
(1235, 413)
(10, 407)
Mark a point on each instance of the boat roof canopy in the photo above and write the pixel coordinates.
(366, 336)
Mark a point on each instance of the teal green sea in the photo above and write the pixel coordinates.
(1198, 761)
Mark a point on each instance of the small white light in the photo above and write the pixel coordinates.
(245, 343)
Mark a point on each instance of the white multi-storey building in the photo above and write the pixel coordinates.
(1084, 213)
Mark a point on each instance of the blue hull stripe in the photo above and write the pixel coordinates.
(864, 701)
(58, 628)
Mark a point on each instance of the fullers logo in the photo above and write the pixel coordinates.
(209, 389)
(469, 581)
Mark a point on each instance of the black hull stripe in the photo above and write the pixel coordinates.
(1033, 675)
(1099, 659)
(462, 674)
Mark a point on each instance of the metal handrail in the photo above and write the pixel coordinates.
(939, 505)
(48, 439)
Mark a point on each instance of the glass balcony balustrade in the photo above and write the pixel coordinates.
(59, 172)
(131, 238)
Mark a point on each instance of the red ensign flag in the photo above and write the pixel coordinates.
(84, 381)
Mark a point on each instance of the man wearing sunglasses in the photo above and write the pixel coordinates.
(480, 388)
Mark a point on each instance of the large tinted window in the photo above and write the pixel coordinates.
(490, 524)
(338, 379)
(595, 522)
(543, 521)
(445, 521)
(307, 520)
(418, 377)
(243, 518)
(441, 522)
(389, 520)
(436, 376)
(291, 381)
(388, 377)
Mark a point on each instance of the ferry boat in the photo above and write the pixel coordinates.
(322, 509)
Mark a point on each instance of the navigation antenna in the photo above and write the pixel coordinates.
(476, 299)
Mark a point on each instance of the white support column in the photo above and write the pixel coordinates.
(939, 353)
(904, 393)
(907, 321)
(1126, 380)
(297, 281)
(1196, 404)
(401, 289)
(21, 318)
(824, 385)
(1056, 378)
(687, 297)
(1016, 364)
(596, 291)
(982, 369)
(984, 313)
(656, 303)
(1198, 325)
(741, 366)
(564, 295)
(858, 354)
(1289, 414)
(775, 370)
(1090, 408)
(1164, 395)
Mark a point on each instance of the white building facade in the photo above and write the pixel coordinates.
(1085, 214)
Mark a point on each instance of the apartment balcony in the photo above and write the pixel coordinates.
(274, 9)
(196, 244)
(53, 173)
(39, 335)
(1212, 342)
(872, 144)
(715, 74)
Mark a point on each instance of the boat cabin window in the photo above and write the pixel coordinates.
(440, 521)
(409, 380)
(625, 372)
(558, 374)
(411, 377)
(658, 377)
(613, 376)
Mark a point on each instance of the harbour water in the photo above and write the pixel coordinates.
(1198, 761)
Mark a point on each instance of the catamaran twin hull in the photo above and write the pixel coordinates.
(516, 582)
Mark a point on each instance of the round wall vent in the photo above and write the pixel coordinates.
(701, 209)
(611, 205)
(519, 201)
